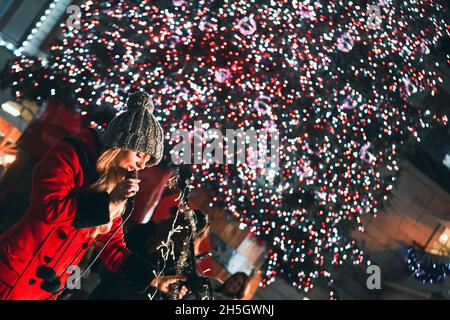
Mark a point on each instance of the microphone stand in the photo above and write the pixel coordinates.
(186, 263)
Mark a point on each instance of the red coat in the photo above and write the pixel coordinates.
(54, 233)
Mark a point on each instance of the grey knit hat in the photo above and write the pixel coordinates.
(136, 129)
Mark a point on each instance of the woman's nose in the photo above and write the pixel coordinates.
(140, 165)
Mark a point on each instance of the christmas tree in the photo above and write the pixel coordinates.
(334, 78)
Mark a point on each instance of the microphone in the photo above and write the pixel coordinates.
(131, 175)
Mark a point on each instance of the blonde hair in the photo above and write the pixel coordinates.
(110, 175)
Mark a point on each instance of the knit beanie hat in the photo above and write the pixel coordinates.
(136, 129)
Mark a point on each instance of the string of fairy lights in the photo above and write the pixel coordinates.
(39, 30)
(426, 270)
(333, 85)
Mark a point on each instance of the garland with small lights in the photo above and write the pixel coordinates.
(424, 269)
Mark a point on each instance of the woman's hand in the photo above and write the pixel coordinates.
(165, 283)
(123, 190)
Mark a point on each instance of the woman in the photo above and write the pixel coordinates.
(80, 191)
(232, 289)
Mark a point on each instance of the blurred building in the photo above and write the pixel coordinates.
(26, 26)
